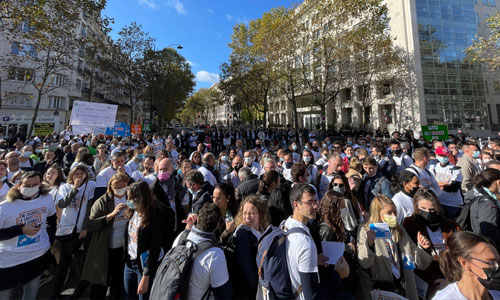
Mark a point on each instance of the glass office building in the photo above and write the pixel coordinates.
(454, 90)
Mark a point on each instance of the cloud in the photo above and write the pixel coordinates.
(229, 17)
(192, 64)
(210, 11)
(177, 5)
(243, 19)
(204, 76)
(149, 3)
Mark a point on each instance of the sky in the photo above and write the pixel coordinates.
(202, 27)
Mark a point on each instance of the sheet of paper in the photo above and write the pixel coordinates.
(381, 230)
(333, 251)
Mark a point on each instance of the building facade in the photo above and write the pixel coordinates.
(440, 86)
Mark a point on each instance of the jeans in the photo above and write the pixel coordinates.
(132, 276)
(30, 290)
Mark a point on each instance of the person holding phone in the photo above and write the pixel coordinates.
(104, 261)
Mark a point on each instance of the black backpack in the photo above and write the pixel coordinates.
(173, 274)
(463, 218)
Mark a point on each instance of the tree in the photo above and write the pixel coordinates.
(169, 81)
(199, 104)
(487, 49)
(131, 46)
(45, 32)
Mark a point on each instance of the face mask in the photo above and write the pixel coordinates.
(377, 158)
(338, 189)
(325, 157)
(420, 142)
(237, 168)
(392, 221)
(191, 191)
(349, 143)
(225, 158)
(27, 153)
(324, 145)
(248, 160)
(258, 146)
(165, 176)
(131, 204)
(140, 156)
(307, 159)
(288, 165)
(294, 148)
(152, 170)
(492, 281)
(460, 152)
(3, 179)
(344, 212)
(328, 142)
(120, 192)
(38, 150)
(306, 147)
(282, 159)
(430, 218)
(29, 192)
(398, 152)
(443, 160)
(476, 154)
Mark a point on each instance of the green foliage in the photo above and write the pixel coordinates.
(487, 49)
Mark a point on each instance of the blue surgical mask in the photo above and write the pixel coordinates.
(307, 159)
(306, 147)
(294, 147)
(476, 154)
(324, 145)
(27, 153)
(224, 158)
(131, 204)
(442, 160)
(140, 156)
(191, 191)
(349, 142)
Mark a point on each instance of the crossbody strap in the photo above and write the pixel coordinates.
(80, 208)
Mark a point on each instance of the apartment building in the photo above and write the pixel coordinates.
(439, 86)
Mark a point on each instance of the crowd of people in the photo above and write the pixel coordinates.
(110, 209)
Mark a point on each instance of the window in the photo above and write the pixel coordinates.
(384, 89)
(81, 52)
(496, 87)
(18, 99)
(80, 64)
(348, 94)
(489, 2)
(58, 79)
(26, 27)
(57, 102)
(78, 85)
(23, 49)
(20, 74)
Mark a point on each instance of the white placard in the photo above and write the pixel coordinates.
(81, 129)
(382, 230)
(93, 114)
(333, 251)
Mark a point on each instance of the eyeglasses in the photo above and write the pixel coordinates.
(492, 263)
(338, 184)
(310, 202)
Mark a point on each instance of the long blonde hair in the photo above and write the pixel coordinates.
(376, 206)
(264, 218)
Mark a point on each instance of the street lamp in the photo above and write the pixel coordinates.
(155, 76)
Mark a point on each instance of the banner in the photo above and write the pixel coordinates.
(93, 114)
(435, 132)
(119, 129)
(136, 128)
(43, 128)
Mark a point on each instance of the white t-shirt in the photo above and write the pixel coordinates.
(105, 176)
(23, 248)
(427, 179)
(316, 155)
(133, 228)
(119, 224)
(138, 176)
(404, 206)
(437, 239)
(26, 164)
(3, 192)
(69, 213)
(209, 269)
(449, 292)
(301, 255)
(133, 165)
(448, 174)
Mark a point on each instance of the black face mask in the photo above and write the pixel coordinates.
(412, 192)
(237, 168)
(431, 219)
(398, 152)
(492, 281)
(258, 146)
(288, 165)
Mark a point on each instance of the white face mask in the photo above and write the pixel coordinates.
(29, 192)
(120, 192)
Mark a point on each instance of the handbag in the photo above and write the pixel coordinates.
(68, 232)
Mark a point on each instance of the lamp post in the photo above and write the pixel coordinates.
(155, 76)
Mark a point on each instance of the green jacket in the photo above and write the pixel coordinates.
(95, 268)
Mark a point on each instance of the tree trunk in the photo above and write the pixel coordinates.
(35, 113)
(322, 108)
(266, 109)
(131, 97)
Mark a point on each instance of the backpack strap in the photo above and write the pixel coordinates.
(292, 231)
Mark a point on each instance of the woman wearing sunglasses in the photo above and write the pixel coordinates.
(471, 263)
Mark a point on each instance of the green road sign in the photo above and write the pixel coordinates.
(146, 127)
(435, 132)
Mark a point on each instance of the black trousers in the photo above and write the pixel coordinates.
(67, 248)
(115, 277)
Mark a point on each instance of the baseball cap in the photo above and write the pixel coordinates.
(442, 151)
